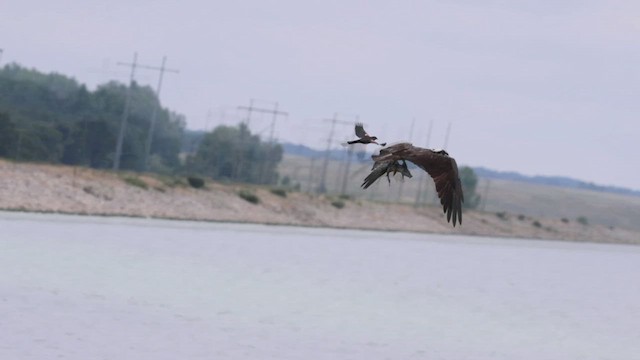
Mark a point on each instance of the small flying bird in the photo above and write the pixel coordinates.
(437, 163)
(364, 138)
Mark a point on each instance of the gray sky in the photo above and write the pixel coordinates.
(538, 87)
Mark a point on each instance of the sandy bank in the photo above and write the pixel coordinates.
(62, 189)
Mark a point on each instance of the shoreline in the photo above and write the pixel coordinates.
(45, 188)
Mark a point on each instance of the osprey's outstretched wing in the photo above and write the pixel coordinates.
(438, 164)
(375, 174)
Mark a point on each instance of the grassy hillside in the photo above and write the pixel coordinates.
(561, 202)
(498, 195)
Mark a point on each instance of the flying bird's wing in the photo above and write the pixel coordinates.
(379, 169)
(360, 130)
(440, 166)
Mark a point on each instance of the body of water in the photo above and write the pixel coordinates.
(114, 288)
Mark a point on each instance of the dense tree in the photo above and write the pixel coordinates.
(8, 136)
(90, 142)
(233, 153)
(469, 182)
(53, 118)
(39, 142)
(191, 140)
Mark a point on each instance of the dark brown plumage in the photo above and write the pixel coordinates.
(391, 168)
(363, 137)
(438, 164)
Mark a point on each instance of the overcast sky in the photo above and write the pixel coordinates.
(538, 87)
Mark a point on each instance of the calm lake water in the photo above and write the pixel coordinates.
(113, 288)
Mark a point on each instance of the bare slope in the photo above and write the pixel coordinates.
(49, 188)
(514, 197)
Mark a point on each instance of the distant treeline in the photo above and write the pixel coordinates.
(552, 180)
(53, 118)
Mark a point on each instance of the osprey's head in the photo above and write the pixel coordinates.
(374, 138)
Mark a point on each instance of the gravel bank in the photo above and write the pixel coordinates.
(63, 189)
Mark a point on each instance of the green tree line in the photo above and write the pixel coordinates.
(233, 153)
(53, 118)
(469, 182)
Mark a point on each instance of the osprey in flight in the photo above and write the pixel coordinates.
(364, 138)
(442, 168)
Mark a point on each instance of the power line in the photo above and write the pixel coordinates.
(322, 188)
(348, 166)
(275, 112)
(251, 109)
(446, 137)
(125, 113)
(207, 120)
(311, 168)
(423, 177)
(346, 170)
(162, 69)
(429, 133)
(323, 179)
(483, 199)
(127, 105)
